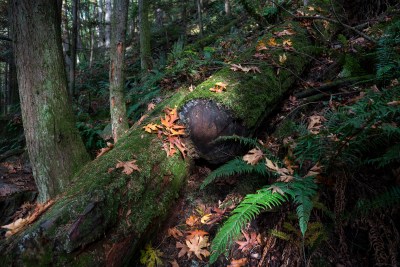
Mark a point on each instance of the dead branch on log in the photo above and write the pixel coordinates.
(334, 85)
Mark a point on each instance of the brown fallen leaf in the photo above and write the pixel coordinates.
(284, 33)
(287, 42)
(183, 249)
(198, 246)
(192, 220)
(315, 124)
(151, 106)
(175, 233)
(394, 103)
(104, 150)
(253, 156)
(276, 189)
(129, 166)
(282, 58)
(205, 218)
(19, 224)
(251, 241)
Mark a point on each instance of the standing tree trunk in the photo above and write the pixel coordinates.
(200, 16)
(119, 121)
(55, 148)
(74, 43)
(107, 21)
(227, 8)
(145, 47)
(100, 23)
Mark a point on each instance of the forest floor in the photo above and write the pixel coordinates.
(273, 238)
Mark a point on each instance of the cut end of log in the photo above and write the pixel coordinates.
(206, 121)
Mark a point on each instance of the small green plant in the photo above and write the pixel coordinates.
(151, 256)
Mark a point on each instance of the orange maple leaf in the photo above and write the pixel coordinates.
(272, 42)
(151, 128)
(219, 87)
(192, 220)
(129, 166)
(196, 232)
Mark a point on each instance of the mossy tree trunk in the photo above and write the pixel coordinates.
(106, 216)
(55, 148)
(119, 120)
(146, 61)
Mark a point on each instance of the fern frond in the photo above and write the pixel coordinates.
(247, 210)
(245, 141)
(384, 200)
(235, 166)
(302, 191)
(390, 156)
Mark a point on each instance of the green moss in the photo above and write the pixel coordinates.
(250, 96)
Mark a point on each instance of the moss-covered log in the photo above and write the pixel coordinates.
(249, 97)
(106, 215)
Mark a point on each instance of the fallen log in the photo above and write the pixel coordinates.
(107, 215)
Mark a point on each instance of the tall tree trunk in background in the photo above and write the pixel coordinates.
(100, 23)
(13, 85)
(227, 8)
(74, 44)
(107, 21)
(184, 19)
(55, 148)
(119, 121)
(145, 46)
(200, 16)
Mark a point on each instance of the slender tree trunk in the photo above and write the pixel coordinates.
(107, 21)
(119, 121)
(200, 16)
(74, 43)
(100, 23)
(227, 8)
(145, 46)
(184, 19)
(55, 148)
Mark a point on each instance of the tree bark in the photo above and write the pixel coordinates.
(227, 8)
(55, 148)
(74, 43)
(200, 16)
(119, 120)
(106, 215)
(146, 61)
